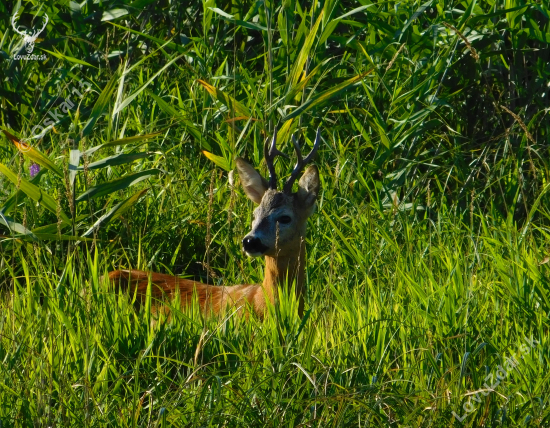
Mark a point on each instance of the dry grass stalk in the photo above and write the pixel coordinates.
(473, 51)
(527, 134)
(208, 222)
(521, 123)
(395, 57)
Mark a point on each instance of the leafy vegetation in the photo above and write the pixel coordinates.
(427, 259)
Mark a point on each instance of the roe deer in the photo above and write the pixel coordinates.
(278, 233)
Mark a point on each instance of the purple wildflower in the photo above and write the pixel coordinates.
(34, 169)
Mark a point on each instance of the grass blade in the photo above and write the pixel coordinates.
(33, 154)
(117, 184)
(130, 98)
(100, 105)
(116, 211)
(326, 95)
(116, 160)
(231, 103)
(33, 192)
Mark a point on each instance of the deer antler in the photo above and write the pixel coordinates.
(269, 154)
(301, 162)
(15, 26)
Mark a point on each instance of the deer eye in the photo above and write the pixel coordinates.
(284, 219)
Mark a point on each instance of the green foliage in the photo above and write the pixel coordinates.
(426, 260)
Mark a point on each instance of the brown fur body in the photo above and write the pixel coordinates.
(214, 299)
(211, 298)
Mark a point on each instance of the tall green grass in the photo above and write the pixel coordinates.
(427, 258)
(400, 326)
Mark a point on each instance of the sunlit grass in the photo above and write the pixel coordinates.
(424, 315)
(427, 258)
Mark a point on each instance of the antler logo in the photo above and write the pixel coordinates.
(29, 39)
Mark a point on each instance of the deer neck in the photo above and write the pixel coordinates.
(285, 271)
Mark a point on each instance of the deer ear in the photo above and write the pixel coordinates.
(254, 184)
(309, 186)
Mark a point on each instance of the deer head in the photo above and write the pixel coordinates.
(280, 219)
(28, 39)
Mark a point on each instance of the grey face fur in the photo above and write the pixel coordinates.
(280, 219)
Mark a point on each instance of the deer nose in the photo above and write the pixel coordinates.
(253, 245)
